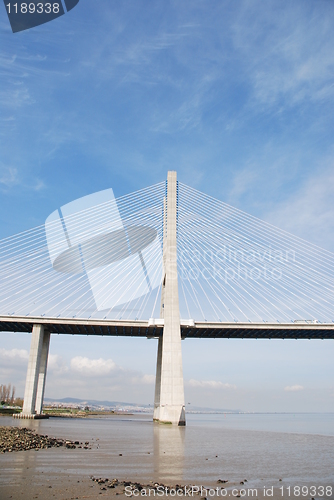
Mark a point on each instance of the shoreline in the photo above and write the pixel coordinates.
(141, 455)
(17, 439)
(66, 486)
(64, 414)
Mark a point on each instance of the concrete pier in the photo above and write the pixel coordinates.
(42, 373)
(36, 373)
(169, 404)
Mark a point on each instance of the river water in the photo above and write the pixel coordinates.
(262, 448)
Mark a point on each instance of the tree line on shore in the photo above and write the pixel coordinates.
(7, 395)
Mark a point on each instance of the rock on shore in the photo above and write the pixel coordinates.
(135, 486)
(21, 439)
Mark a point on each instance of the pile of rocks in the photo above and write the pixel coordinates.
(21, 438)
(105, 483)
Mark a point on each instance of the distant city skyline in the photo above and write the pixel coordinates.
(238, 99)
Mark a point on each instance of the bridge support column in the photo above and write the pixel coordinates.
(42, 373)
(169, 391)
(36, 373)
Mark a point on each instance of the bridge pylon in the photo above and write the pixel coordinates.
(169, 404)
(36, 373)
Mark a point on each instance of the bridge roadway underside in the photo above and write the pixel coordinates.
(144, 329)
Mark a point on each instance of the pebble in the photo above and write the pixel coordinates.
(22, 439)
(105, 483)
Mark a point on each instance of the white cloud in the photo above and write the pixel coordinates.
(83, 377)
(293, 388)
(39, 185)
(243, 181)
(16, 96)
(309, 212)
(88, 366)
(210, 384)
(13, 355)
(8, 175)
(13, 364)
(292, 61)
(145, 379)
(56, 364)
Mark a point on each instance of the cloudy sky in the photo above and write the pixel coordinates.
(237, 96)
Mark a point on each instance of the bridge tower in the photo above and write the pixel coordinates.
(169, 404)
(36, 373)
(169, 391)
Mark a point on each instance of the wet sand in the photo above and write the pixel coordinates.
(136, 450)
(35, 484)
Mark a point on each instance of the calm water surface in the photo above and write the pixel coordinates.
(258, 447)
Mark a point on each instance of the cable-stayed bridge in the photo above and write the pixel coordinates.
(166, 262)
(153, 328)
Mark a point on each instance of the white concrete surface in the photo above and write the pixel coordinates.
(42, 373)
(169, 391)
(34, 362)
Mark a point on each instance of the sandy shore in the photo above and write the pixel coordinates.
(39, 467)
(68, 487)
(14, 439)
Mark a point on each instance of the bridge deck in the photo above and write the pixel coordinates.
(200, 329)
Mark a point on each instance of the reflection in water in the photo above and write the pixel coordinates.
(209, 448)
(168, 445)
(23, 464)
(23, 461)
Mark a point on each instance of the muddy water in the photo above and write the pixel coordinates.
(298, 449)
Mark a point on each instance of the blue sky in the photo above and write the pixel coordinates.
(235, 96)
